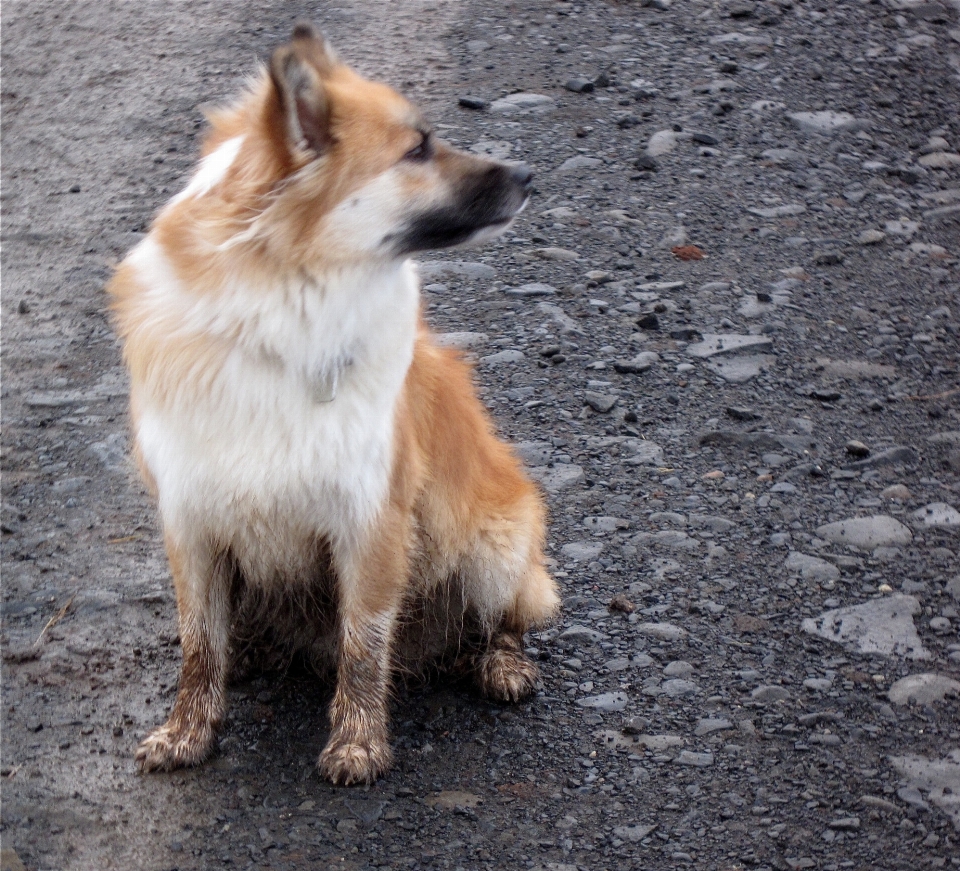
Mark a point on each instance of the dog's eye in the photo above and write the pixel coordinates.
(422, 151)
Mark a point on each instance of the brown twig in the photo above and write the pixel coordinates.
(55, 619)
(944, 395)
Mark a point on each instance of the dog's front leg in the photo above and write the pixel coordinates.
(371, 579)
(201, 580)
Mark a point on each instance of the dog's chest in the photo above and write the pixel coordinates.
(293, 437)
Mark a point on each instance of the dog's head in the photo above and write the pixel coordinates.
(333, 168)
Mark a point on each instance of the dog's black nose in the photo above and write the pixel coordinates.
(521, 174)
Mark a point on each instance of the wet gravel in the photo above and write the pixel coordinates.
(724, 335)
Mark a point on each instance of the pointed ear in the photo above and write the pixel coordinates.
(297, 72)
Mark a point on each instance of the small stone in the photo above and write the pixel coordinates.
(664, 631)
(621, 604)
(662, 142)
(770, 693)
(866, 532)
(646, 162)
(857, 448)
(641, 363)
(556, 254)
(940, 160)
(922, 689)
(633, 834)
(577, 636)
(678, 668)
(710, 725)
(676, 688)
(648, 321)
(579, 86)
(502, 358)
(897, 492)
(785, 211)
(938, 514)
(818, 684)
(468, 102)
(697, 760)
(826, 122)
(845, 824)
(581, 551)
(899, 455)
(871, 237)
(531, 290)
(599, 402)
(560, 476)
(605, 702)
(715, 343)
(812, 568)
(523, 104)
(577, 163)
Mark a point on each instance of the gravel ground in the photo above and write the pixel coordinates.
(725, 336)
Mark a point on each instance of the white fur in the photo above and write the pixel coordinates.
(211, 170)
(258, 452)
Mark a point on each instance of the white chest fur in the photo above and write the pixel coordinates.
(292, 436)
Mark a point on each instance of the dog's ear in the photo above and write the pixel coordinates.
(297, 71)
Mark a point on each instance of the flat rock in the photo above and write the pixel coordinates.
(461, 340)
(672, 539)
(558, 477)
(566, 324)
(641, 363)
(922, 689)
(643, 453)
(898, 455)
(556, 254)
(678, 687)
(434, 270)
(770, 693)
(709, 725)
(664, 631)
(581, 551)
(939, 778)
(812, 568)
(697, 760)
(866, 532)
(605, 702)
(784, 211)
(502, 358)
(940, 160)
(938, 514)
(453, 798)
(738, 369)
(599, 402)
(633, 834)
(826, 122)
(730, 343)
(577, 635)
(883, 626)
(523, 104)
(530, 290)
(577, 164)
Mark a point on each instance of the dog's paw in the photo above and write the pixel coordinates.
(170, 747)
(346, 763)
(505, 675)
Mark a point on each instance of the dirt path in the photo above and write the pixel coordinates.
(707, 729)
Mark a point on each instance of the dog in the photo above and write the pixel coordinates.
(324, 471)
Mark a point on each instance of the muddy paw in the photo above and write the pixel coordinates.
(344, 763)
(170, 747)
(505, 675)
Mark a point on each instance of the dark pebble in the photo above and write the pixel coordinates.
(627, 121)
(704, 139)
(646, 161)
(685, 334)
(763, 297)
(472, 103)
(743, 413)
(648, 322)
(74, 188)
(602, 81)
(828, 258)
(23, 307)
(826, 395)
(729, 66)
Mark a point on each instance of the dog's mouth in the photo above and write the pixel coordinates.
(483, 207)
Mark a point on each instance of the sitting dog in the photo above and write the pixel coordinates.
(325, 472)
